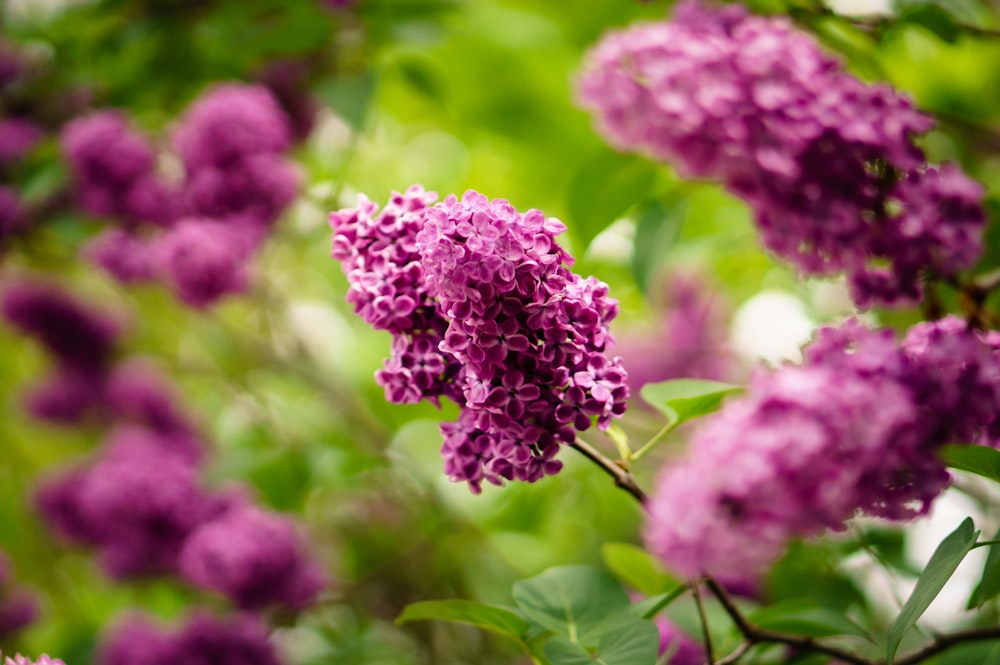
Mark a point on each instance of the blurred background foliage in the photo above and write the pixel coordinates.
(454, 95)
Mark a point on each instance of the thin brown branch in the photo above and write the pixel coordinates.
(736, 654)
(945, 642)
(623, 478)
(706, 631)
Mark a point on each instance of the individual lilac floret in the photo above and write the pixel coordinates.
(230, 123)
(114, 168)
(137, 504)
(202, 640)
(78, 337)
(44, 659)
(826, 162)
(255, 558)
(203, 260)
(485, 311)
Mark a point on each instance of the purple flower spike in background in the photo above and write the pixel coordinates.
(826, 162)
(18, 608)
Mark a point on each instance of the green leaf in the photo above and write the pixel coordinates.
(685, 399)
(634, 643)
(497, 619)
(804, 617)
(637, 568)
(979, 460)
(934, 18)
(944, 561)
(603, 189)
(989, 584)
(572, 601)
(657, 227)
(350, 96)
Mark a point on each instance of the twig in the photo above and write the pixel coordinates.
(945, 642)
(623, 479)
(735, 655)
(709, 649)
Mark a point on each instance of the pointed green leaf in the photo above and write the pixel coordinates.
(944, 561)
(804, 617)
(633, 643)
(572, 601)
(685, 399)
(980, 460)
(650, 607)
(497, 619)
(989, 584)
(637, 568)
(657, 226)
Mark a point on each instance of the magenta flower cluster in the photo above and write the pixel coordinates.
(140, 501)
(198, 235)
(19, 135)
(856, 428)
(203, 639)
(44, 659)
(826, 162)
(484, 311)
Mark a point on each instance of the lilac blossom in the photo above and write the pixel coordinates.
(203, 260)
(826, 162)
(123, 255)
(255, 558)
(17, 607)
(202, 640)
(259, 187)
(684, 649)
(44, 659)
(17, 137)
(857, 428)
(486, 312)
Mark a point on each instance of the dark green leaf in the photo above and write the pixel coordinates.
(560, 651)
(650, 607)
(657, 226)
(989, 584)
(572, 601)
(350, 97)
(685, 399)
(944, 561)
(637, 568)
(803, 617)
(934, 18)
(979, 460)
(603, 189)
(497, 619)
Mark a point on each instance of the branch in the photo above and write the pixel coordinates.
(755, 634)
(738, 653)
(623, 478)
(706, 631)
(945, 642)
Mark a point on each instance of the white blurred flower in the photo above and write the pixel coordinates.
(771, 326)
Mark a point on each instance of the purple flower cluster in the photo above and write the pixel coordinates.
(18, 608)
(197, 235)
(826, 162)
(484, 311)
(18, 137)
(856, 428)
(685, 342)
(202, 640)
(684, 649)
(140, 502)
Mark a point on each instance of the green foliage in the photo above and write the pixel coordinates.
(681, 400)
(980, 460)
(637, 568)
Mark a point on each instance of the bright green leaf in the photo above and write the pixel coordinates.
(685, 399)
(497, 619)
(572, 601)
(979, 460)
(637, 568)
(633, 643)
(989, 584)
(350, 96)
(650, 607)
(803, 617)
(944, 561)
(560, 651)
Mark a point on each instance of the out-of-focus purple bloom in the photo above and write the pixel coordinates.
(66, 397)
(124, 255)
(288, 82)
(230, 123)
(255, 558)
(815, 152)
(44, 659)
(684, 649)
(78, 337)
(203, 640)
(204, 260)
(17, 137)
(687, 341)
(114, 166)
(259, 187)
(485, 311)
(137, 504)
(138, 392)
(10, 212)
(17, 607)
(857, 428)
